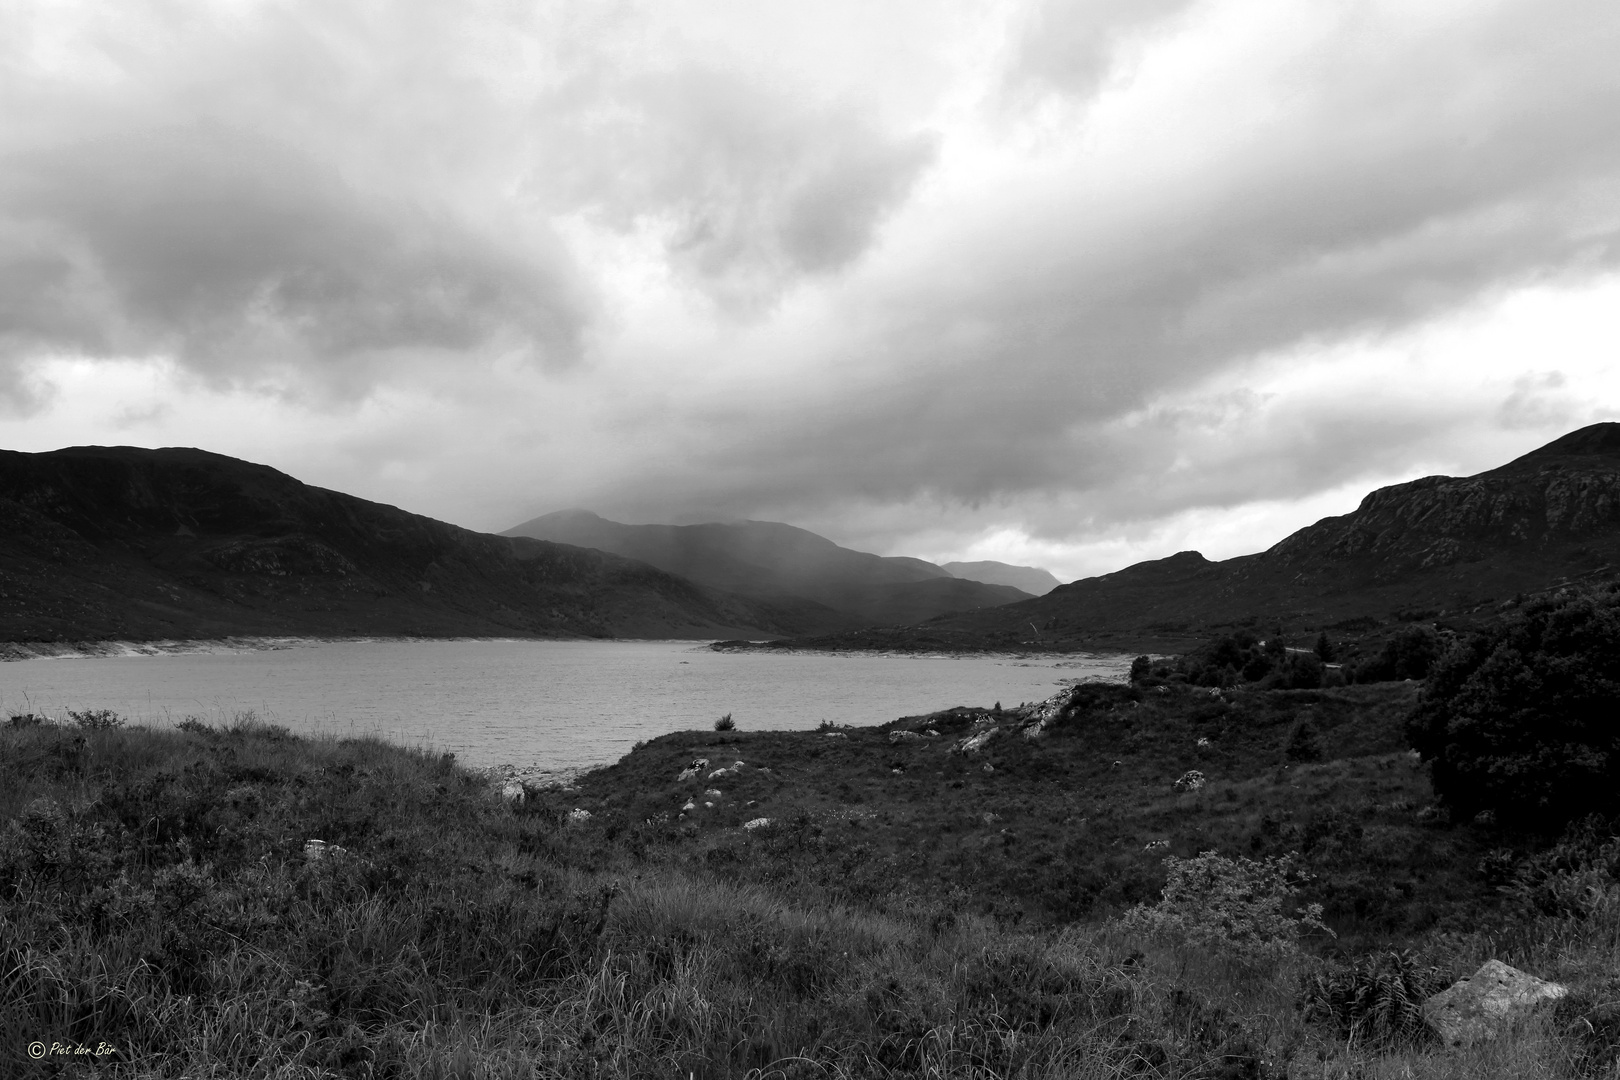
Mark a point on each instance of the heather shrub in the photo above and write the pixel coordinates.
(1236, 907)
(96, 719)
(725, 723)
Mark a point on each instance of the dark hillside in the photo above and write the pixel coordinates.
(1073, 819)
(1457, 549)
(120, 542)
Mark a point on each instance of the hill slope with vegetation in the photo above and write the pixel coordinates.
(1152, 880)
(126, 543)
(1454, 549)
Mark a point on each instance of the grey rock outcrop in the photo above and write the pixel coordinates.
(1480, 1006)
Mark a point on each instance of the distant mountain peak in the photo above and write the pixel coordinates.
(1031, 579)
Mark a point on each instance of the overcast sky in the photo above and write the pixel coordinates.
(1070, 284)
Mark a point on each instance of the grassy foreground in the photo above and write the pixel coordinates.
(905, 911)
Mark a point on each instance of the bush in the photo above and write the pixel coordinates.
(1141, 668)
(1378, 999)
(725, 723)
(1521, 720)
(1230, 906)
(96, 719)
(1305, 742)
(1410, 654)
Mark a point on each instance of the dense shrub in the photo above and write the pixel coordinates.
(1410, 654)
(1521, 721)
(725, 723)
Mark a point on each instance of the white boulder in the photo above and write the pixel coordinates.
(904, 736)
(578, 817)
(757, 823)
(513, 792)
(1191, 780)
(836, 735)
(974, 743)
(1479, 1007)
(686, 774)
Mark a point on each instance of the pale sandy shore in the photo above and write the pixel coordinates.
(67, 650)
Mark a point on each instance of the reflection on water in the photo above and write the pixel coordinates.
(555, 705)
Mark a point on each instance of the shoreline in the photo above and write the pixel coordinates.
(94, 649)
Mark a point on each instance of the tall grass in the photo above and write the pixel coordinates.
(155, 895)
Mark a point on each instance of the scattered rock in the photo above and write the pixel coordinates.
(712, 793)
(988, 818)
(898, 772)
(513, 792)
(689, 807)
(836, 735)
(1203, 744)
(757, 823)
(699, 764)
(904, 736)
(1156, 845)
(1191, 780)
(686, 774)
(710, 805)
(578, 817)
(718, 773)
(931, 733)
(989, 768)
(974, 743)
(1480, 1006)
(316, 850)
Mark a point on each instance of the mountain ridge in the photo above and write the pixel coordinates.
(130, 543)
(773, 561)
(1438, 546)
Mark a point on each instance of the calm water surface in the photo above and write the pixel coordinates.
(534, 704)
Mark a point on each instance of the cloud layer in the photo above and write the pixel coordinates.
(1038, 280)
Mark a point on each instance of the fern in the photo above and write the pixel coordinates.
(1378, 999)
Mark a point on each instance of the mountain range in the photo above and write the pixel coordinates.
(784, 565)
(136, 544)
(1441, 547)
(128, 543)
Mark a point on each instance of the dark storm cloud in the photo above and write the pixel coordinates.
(749, 187)
(211, 213)
(1404, 180)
